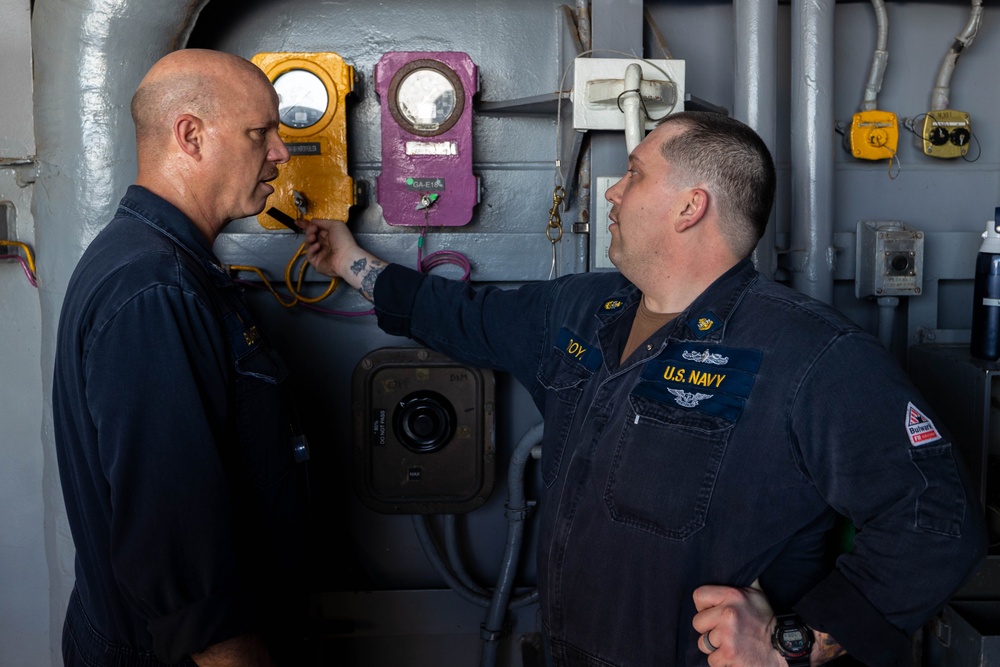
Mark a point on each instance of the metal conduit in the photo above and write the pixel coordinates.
(755, 96)
(813, 144)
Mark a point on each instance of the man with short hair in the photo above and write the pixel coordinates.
(704, 427)
(173, 440)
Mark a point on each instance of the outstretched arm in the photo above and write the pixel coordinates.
(332, 250)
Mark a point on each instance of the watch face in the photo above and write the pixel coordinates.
(792, 640)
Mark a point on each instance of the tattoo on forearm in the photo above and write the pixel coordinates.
(359, 266)
(368, 280)
(828, 647)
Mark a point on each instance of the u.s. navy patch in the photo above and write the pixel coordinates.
(704, 324)
(711, 379)
(919, 428)
(578, 349)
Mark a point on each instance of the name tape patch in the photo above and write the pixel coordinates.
(578, 349)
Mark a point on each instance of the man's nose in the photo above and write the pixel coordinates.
(613, 194)
(279, 151)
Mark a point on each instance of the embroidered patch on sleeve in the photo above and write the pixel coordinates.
(919, 428)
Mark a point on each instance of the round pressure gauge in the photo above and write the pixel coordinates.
(426, 97)
(302, 98)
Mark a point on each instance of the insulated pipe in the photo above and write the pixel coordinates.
(942, 85)
(421, 525)
(813, 145)
(455, 556)
(755, 97)
(89, 56)
(517, 511)
(583, 23)
(631, 99)
(879, 59)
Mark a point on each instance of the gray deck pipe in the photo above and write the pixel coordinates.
(755, 97)
(89, 55)
(813, 145)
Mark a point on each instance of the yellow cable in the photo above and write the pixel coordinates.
(296, 290)
(27, 252)
(267, 283)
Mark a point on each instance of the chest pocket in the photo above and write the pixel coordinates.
(664, 468)
(564, 378)
(261, 420)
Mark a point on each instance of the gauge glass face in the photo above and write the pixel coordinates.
(302, 98)
(426, 98)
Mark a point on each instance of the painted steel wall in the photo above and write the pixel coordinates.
(24, 575)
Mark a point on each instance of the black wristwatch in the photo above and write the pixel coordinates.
(793, 639)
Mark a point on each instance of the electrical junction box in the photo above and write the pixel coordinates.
(874, 135)
(946, 133)
(889, 260)
(312, 91)
(424, 433)
(426, 103)
(598, 84)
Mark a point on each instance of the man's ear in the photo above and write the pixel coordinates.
(695, 208)
(189, 133)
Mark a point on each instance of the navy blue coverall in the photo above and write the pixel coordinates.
(718, 453)
(173, 441)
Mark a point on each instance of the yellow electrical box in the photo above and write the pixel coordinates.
(946, 133)
(874, 135)
(312, 89)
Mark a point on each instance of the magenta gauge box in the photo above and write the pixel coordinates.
(426, 103)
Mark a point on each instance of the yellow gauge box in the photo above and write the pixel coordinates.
(874, 135)
(946, 133)
(312, 89)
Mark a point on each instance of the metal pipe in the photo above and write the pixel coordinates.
(583, 23)
(421, 525)
(755, 96)
(517, 511)
(886, 319)
(813, 255)
(454, 555)
(631, 107)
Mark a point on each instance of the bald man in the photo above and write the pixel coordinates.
(174, 445)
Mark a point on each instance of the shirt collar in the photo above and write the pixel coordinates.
(705, 319)
(166, 218)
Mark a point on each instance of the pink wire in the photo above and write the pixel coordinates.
(24, 265)
(329, 311)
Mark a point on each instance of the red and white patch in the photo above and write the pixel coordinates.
(920, 429)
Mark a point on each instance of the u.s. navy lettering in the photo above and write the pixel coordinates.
(700, 378)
